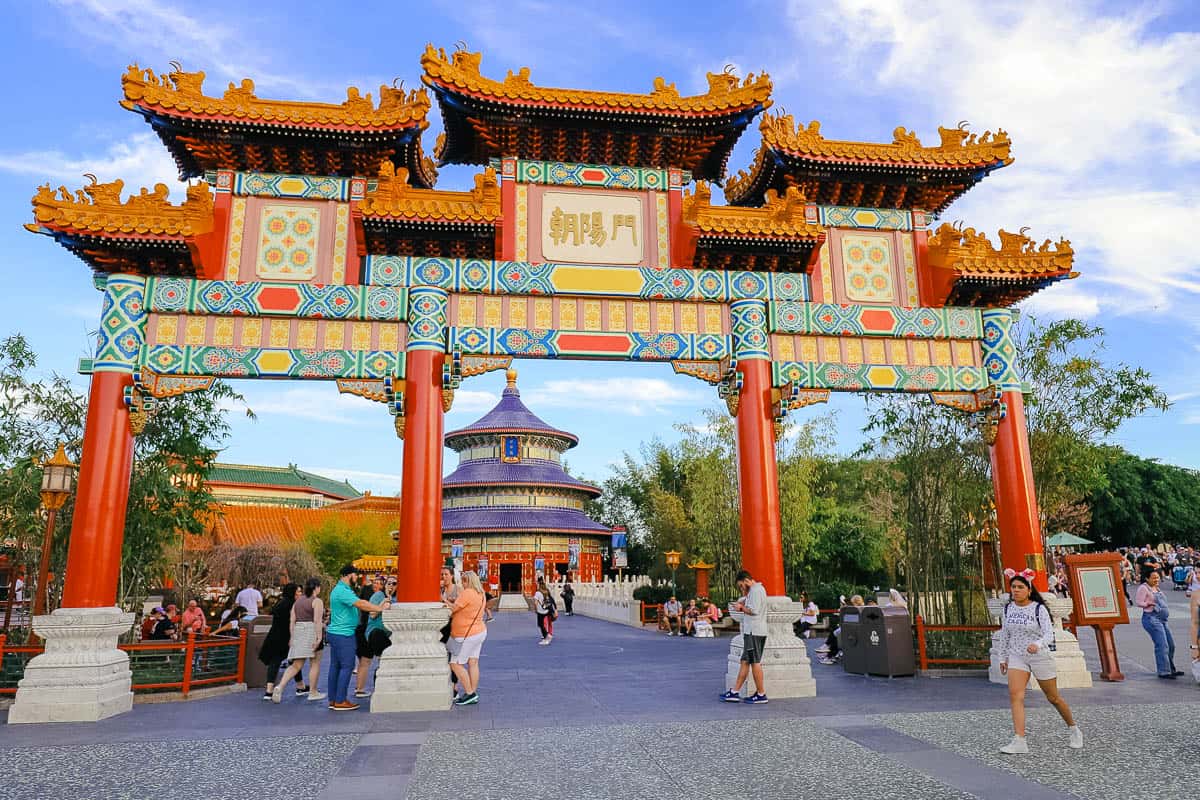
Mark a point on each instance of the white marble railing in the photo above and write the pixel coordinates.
(610, 600)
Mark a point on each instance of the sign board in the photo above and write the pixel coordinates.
(592, 227)
(573, 546)
(1095, 581)
(481, 568)
(512, 449)
(456, 548)
(539, 564)
(620, 559)
(620, 539)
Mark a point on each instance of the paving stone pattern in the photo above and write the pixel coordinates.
(1129, 750)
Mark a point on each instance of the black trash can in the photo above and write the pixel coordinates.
(887, 641)
(850, 640)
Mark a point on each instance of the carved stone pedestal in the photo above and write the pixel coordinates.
(413, 673)
(82, 676)
(1068, 657)
(786, 668)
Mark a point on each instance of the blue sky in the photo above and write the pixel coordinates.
(1102, 103)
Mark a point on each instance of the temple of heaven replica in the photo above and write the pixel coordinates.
(510, 511)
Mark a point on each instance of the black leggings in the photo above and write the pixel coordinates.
(273, 669)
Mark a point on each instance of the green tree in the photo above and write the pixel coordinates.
(335, 543)
(1145, 502)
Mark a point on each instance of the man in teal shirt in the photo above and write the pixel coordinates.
(344, 606)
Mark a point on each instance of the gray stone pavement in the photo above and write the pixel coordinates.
(609, 711)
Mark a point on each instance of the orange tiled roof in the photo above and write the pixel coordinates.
(460, 70)
(98, 209)
(394, 199)
(244, 525)
(970, 253)
(779, 217)
(181, 93)
(958, 147)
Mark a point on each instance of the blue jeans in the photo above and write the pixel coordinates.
(341, 666)
(1164, 644)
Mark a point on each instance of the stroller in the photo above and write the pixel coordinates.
(1179, 577)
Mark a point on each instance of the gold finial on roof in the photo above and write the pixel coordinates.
(511, 376)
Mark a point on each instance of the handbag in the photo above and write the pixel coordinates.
(1196, 670)
(445, 633)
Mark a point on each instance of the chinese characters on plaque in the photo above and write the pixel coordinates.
(592, 228)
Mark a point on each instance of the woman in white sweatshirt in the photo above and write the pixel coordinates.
(1025, 647)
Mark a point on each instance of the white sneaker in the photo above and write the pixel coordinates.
(1076, 742)
(316, 696)
(1017, 746)
(544, 642)
(277, 694)
(550, 638)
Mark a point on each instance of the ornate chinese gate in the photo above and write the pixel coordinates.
(315, 247)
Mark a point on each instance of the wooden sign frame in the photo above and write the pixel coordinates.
(1095, 582)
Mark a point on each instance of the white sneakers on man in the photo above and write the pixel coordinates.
(1076, 741)
(1017, 746)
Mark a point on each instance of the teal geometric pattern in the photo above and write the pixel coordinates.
(863, 320)
(749, 324)
(270, 184)
(523, 278)
(860, 377)
(122, 324)
(227, 298)
(999, 350)
(557, 173)
(535, 343)
(427, 318)
(880, 219)
(269, 362)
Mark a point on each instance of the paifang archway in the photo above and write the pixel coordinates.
(314, 246)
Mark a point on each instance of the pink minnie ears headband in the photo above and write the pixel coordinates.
(1027, 574)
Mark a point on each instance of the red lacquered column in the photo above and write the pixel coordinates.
(1016, 498)
(420, 547)
(758, 478)
(98, 526)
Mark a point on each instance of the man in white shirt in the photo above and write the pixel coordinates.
(751, 612)
(671, 610)
(19, 589)
(249, 599)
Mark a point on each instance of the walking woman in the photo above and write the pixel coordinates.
(1153, 603)
(308, 624)
(1026, 638)
(275, 646)
(467, 633)
(543, 606)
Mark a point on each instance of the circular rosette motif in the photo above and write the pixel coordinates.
(169, 295)
(383, 304)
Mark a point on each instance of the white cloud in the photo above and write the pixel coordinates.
(140, 161)
(637, 396)
(1104, 114)
(163, 31)
(469, 401)
(320, 403)
(376, 482)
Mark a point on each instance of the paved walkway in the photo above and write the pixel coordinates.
(609, 711)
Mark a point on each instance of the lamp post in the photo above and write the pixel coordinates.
(57, 476)
(672, 557)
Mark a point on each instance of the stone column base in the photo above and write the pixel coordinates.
(413, 674)
(786, 668)
(82, 676)
(1068, 657)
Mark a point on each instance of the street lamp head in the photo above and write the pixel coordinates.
(672, 557)
(57, 476)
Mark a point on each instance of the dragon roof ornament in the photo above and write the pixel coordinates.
(393, 197)
(182, 93)
(782, 215)
(97, 209)
(726, 93)
(967, 252)
(958, 147)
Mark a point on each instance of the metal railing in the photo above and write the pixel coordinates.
(194, 662)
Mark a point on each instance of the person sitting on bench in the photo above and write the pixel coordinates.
(672, 611)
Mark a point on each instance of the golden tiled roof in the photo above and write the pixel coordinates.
(181, 92)
(778, 217)
(958, 148)
(460, 70)
(394, 198)
(970, 253)
(244, 525)
(98, 209)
